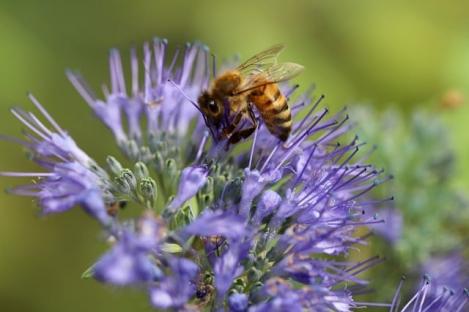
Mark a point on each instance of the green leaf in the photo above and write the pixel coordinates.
(171, 248)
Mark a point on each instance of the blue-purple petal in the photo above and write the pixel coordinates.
(191, 181)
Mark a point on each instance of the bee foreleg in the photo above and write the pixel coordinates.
(242, 134)
(235, 136)
(227, 131)
(252, 116)
(245, 133)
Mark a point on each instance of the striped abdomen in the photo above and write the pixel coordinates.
(273, 107)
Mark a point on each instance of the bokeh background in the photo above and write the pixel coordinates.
(398, 59)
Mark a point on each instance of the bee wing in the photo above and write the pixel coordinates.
(261, 60)
(273, 74)
(281, 72)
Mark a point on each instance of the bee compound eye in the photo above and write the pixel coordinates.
(212, 106)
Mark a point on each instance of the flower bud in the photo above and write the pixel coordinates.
(141, 170)
(171, 167)
(148, 190)
(114, 165)
(132, 149)
(129, 177)
(122, 185)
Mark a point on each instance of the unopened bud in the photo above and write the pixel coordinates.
(141, 170)
(171, 167)
(122, 185)
(132, 149)
(129, 176)
(148, 190)
(114, 165)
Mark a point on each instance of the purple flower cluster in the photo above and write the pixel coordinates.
(264, 226)
(158, 98)
(70, 176)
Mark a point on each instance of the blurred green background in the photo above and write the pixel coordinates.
(402, 54)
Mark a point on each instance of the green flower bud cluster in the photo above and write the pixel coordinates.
(136, 185)
(135, 151)
(225, 180)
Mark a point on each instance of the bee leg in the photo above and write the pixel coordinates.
(234, 138)
(229, 130)
(252, 115)
(242, 134)
(245, 133)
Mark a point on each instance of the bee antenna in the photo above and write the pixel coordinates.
(184, 94)
(194, 104)
(214, 65)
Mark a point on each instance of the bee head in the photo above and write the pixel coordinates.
(211, 108)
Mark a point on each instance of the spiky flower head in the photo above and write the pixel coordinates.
(430, 297)
(262, 226)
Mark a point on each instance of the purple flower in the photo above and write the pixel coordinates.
(129, 261)
(71, 177)
(238, 302)
(286, 298)
(70, 184)
(161, 98)
(174, 291)
(447, 274)
(228, 266)
(254, 183)
(218, 223)
(232, 227)
(46, 143)
(126, 264)
(151, 231)
(267, 204)
(446, 301)
(190, 182)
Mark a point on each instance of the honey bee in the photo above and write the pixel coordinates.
(231, 96)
